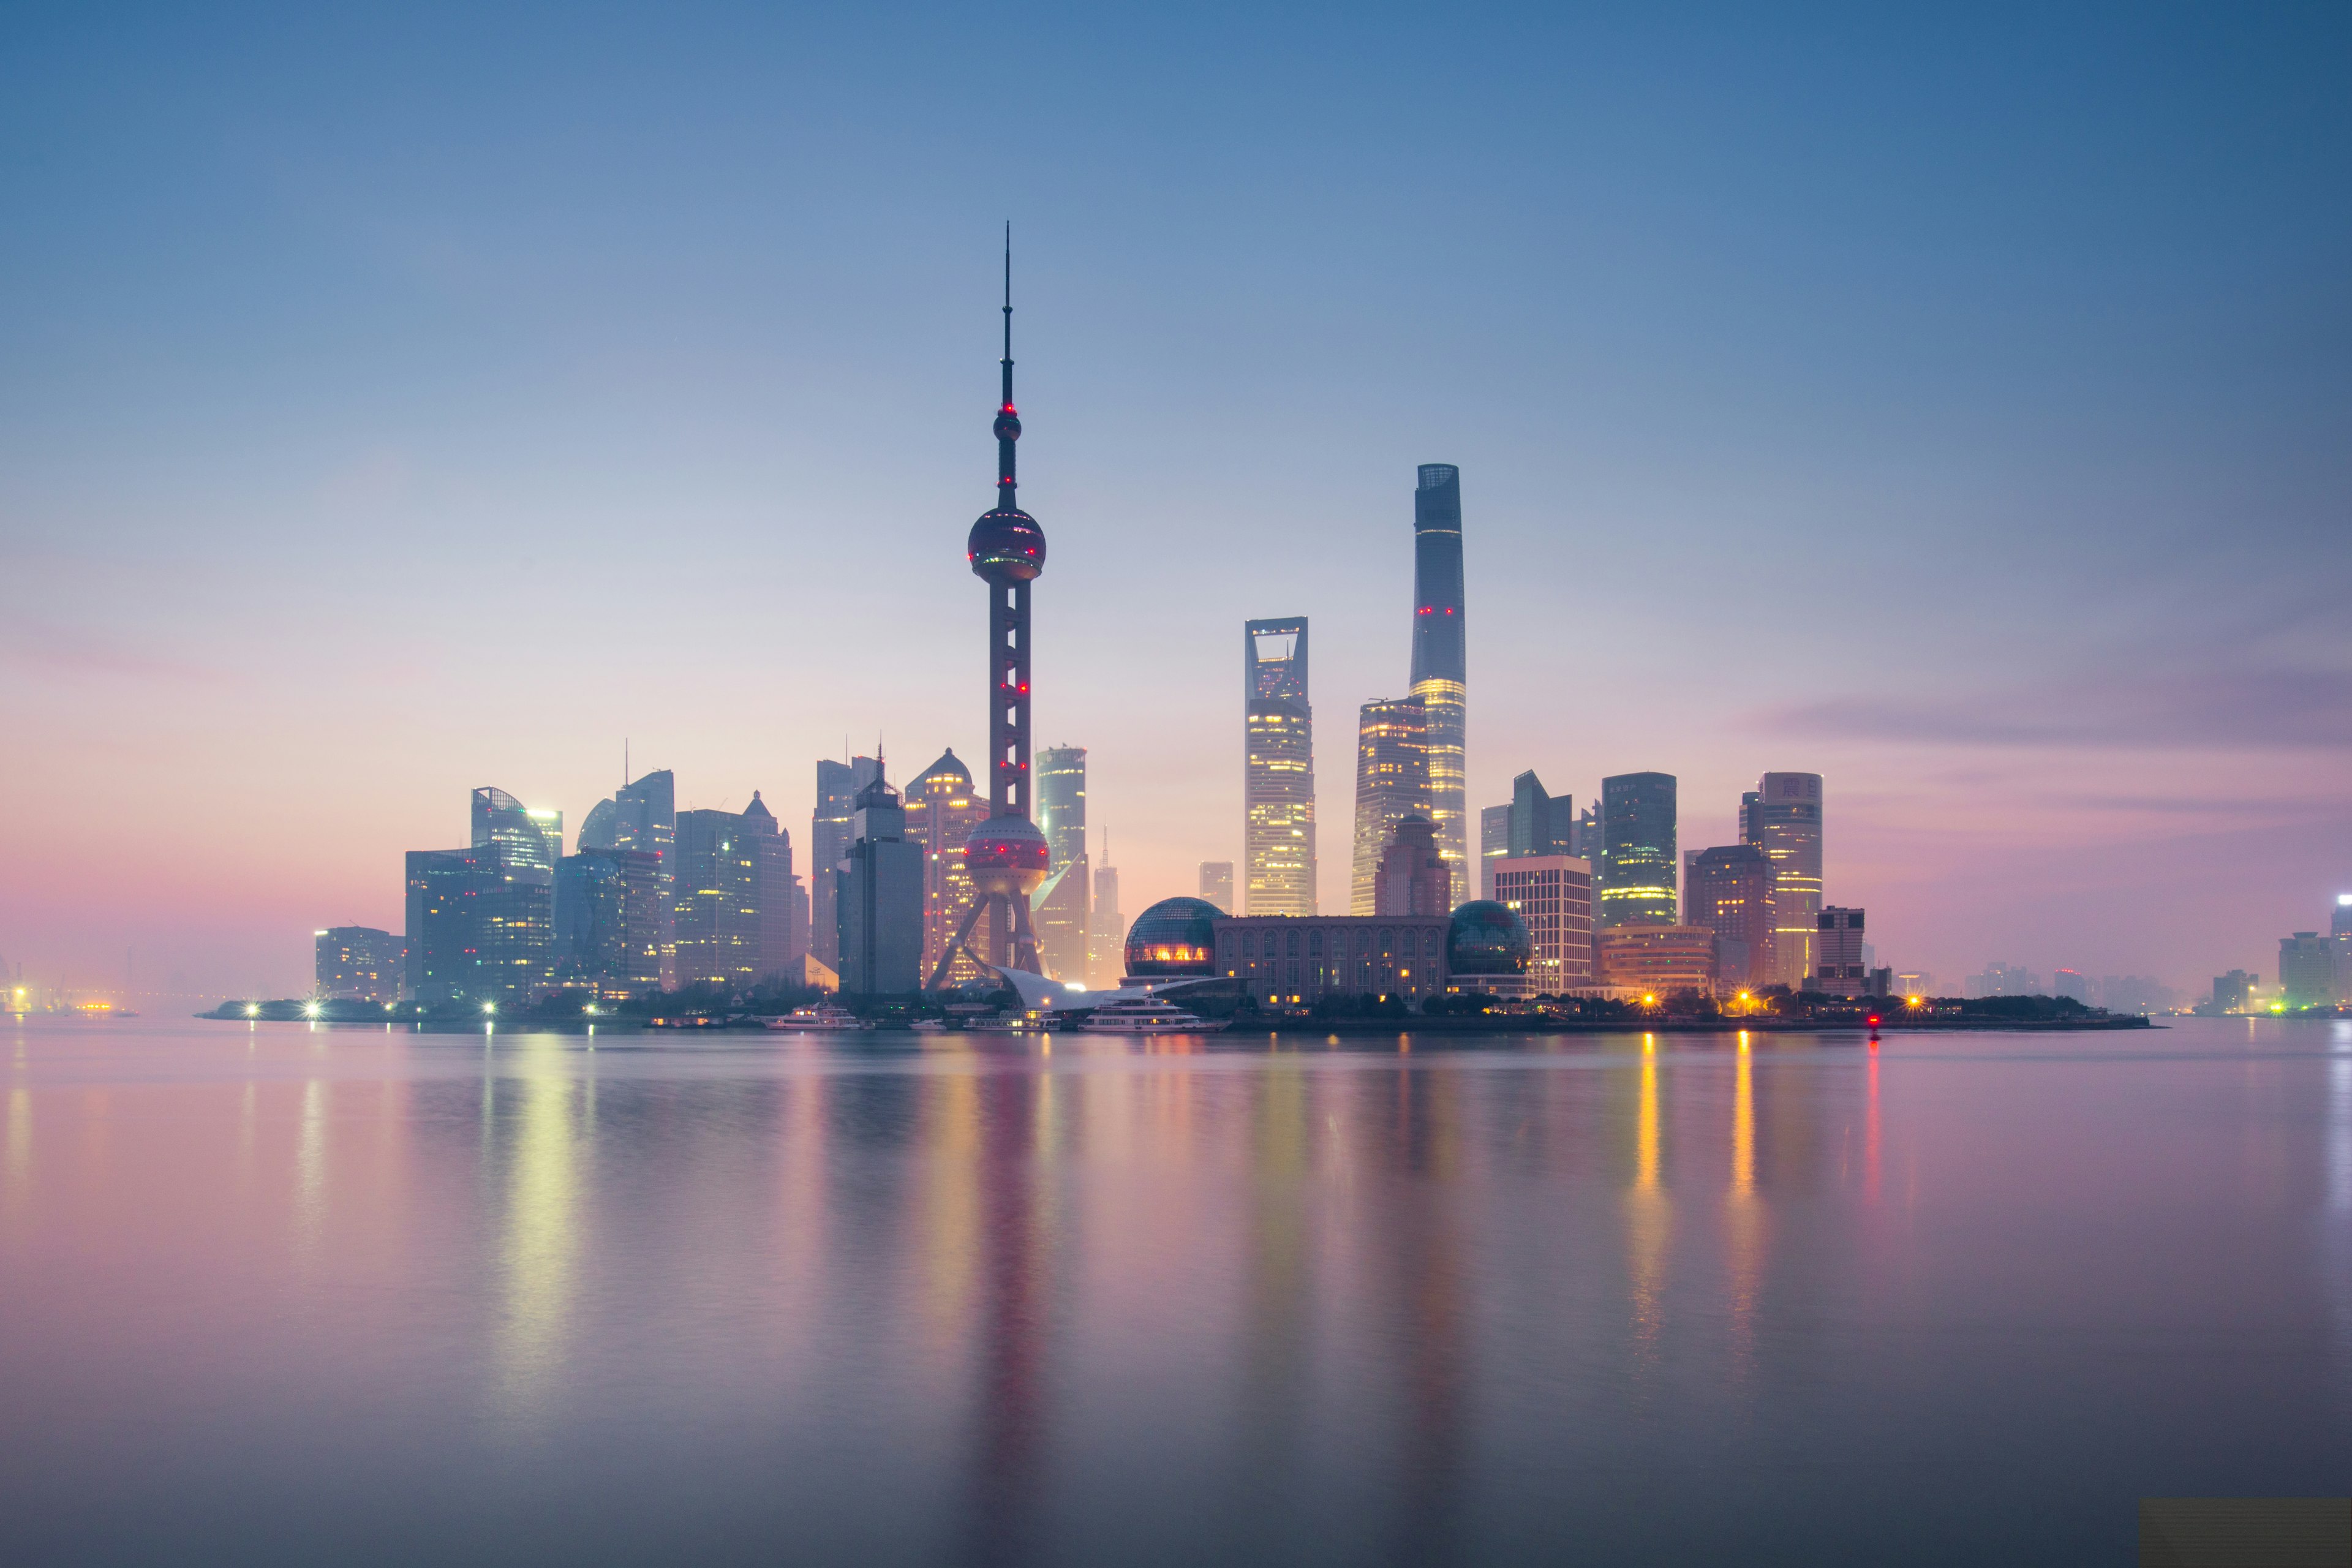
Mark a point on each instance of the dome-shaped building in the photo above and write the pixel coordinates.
(1175, 938)
(1486, 939)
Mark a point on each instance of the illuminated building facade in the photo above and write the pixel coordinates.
(1288, 961)
(1637, 867)
(481, 924)
(1440, 666)
(1785, 821)
(1730, 890)
(714, 900)
(879, 904)
(1412, 878)
(1277, 770)
(1553, 895)
(608, 925)
(1656, 959)
(1062, 803)
(1838, 966)
(941, 811)
(641, 816)
(1392, 783)
(837, 785)
(356, 963)
(529, 839)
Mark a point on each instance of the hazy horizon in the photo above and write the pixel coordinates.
(1960, 408)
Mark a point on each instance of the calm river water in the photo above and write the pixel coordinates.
(277, 1294)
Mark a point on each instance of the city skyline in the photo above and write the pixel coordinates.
(1999, 473)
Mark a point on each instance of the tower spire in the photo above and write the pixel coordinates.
(1008, 418)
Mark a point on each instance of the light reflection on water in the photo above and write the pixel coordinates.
(297, 1292)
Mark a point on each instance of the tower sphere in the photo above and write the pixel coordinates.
(1006, 546)
(1008, 427)
(1006, 856)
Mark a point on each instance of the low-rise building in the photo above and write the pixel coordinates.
(1839, 967)
(1656, 959)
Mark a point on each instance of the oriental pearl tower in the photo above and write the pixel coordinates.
(1006, 856)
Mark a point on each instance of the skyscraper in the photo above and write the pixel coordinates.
(1392, 783)
(879, 904)
(1107, 939)
(1277, 770)
(642, 817)
(837, 785)
(531, 838)
(1062, 803)
(715, 900)
(1786, 824)
(1637, 830)
(608, 913)
(1729, 890)
(1006, 856)
(1413, 878)
(1440, 666)
(1217, 884)
(1063, 906)
(1540, 823)
(776, 891)
(941, 811)
(1494, 843)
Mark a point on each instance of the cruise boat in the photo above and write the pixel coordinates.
(1146, 1015)
(824, 1017)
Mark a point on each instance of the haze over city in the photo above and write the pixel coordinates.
(403, 406)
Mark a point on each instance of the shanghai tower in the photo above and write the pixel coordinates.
(1440, 672)
(1006, 856)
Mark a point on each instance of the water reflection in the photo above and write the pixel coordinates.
(910, 1300)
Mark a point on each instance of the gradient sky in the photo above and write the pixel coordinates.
(1960, 407)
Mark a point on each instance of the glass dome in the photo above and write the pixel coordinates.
(1486, 938)
(1006, 546)
(1174, 937)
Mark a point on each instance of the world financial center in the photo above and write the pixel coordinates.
(1278, 771)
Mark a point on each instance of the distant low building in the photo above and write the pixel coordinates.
(2306, 970)
(1839, 969)
(2234, 992)
(1217, 884)
(357, 963)
(2002, 979)
(1656, 958)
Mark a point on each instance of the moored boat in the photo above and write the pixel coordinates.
(1146, 1015)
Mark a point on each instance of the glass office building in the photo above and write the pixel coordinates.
(1277, 770)
(1638, 861)
(1439, 664)
(1392, 783)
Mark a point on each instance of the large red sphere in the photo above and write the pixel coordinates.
(1006, 546)
(1006, 855)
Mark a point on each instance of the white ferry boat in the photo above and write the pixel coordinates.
(826, 1016)
(1146, 1015)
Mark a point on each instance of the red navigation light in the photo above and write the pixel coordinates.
(1874, 1020)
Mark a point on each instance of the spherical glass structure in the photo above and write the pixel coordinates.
(1174, 937)
(1006, 855)
(1006, 546)
(1486, 938)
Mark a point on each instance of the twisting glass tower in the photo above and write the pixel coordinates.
(1440, 673)
(1005, 856)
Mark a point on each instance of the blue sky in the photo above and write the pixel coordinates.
(1957, 406)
